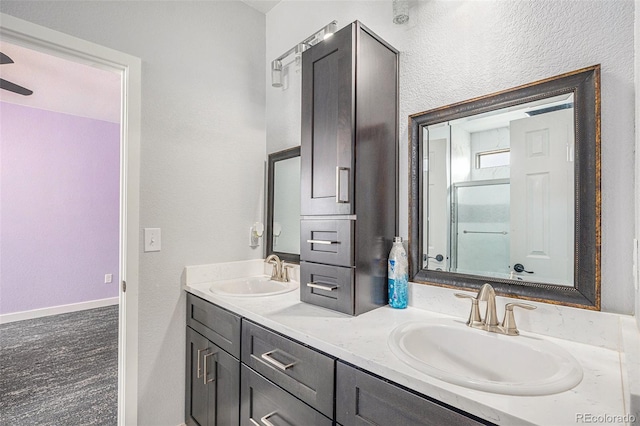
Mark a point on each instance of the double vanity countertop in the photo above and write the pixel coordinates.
(603, 396)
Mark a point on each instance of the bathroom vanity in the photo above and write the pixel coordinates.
(325, 367)
(262, 375)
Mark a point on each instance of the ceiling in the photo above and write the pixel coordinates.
(262, 5)
(70, 87)
(61, 85)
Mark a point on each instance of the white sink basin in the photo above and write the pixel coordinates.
(512, 365)
(252, 286)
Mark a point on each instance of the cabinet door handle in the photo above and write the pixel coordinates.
(339, 199)
(323, 242)
(324, 287)
(206, 369)
(264, 420)
(199, 372)
(253, 422)
(284, 367)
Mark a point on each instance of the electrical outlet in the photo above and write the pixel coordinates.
(152, 239)
(108, 278)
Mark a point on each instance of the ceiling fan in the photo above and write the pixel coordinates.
(7, 85)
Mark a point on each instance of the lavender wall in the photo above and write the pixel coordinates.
(59, 208)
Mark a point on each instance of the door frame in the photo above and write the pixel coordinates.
(36, 37)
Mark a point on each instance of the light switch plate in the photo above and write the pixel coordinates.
(152, 239)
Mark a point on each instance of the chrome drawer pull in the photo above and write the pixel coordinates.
(206, 370)
(323, 242)
(253, 422)
(265, 421)
(199, 373)
(284, 367)
(324, 287)
(339, 199)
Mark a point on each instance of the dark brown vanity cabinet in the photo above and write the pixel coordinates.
(363, 399)
(348, 169)
(272, 380)
(242, 373)
(213, 367)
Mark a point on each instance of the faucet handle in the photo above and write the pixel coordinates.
(509, 322)
(285, 272)
(474, 315)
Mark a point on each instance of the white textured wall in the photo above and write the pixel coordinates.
(452, 51)
(203, 149)
(637, 87)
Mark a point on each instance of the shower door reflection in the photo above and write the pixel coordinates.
(480, 228)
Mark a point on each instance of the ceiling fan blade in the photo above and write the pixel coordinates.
(12, 87)
(4, 59)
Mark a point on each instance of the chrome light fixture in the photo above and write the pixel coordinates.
(329, 29)
(317, 37)
(276, 73)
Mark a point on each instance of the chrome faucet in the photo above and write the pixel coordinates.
(490, 321)
(280, 270)
(488, 294)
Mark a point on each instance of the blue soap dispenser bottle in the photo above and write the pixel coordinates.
(398, 275)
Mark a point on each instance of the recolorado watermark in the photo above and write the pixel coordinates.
(605, 418)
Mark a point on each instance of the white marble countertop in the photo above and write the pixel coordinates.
(603, 393)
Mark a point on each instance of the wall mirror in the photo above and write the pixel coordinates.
(283, 205)
(505, 189)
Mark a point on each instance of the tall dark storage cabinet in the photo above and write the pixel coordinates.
(349, 170)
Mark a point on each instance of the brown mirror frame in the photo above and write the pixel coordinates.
(585, 85)
(273, 159)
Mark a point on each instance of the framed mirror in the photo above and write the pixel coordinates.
(505, 189)
(283, 205)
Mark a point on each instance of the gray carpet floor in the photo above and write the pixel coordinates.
(60, 370)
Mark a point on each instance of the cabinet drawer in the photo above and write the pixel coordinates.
(327, 286)
(216, 324)
(304, 372)
(327, 241)
(363, 399)
(264, 403)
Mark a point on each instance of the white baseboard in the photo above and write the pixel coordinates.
(55, 310)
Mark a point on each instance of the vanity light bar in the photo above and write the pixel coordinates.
(322, 34)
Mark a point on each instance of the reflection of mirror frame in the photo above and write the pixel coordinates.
(273, 158)
(585, 84)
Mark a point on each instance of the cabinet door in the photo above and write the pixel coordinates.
(363, 399)
(327, 172)
(197, 403)
(213, 384)
(223, 375)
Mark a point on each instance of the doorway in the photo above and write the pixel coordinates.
(35, 37)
